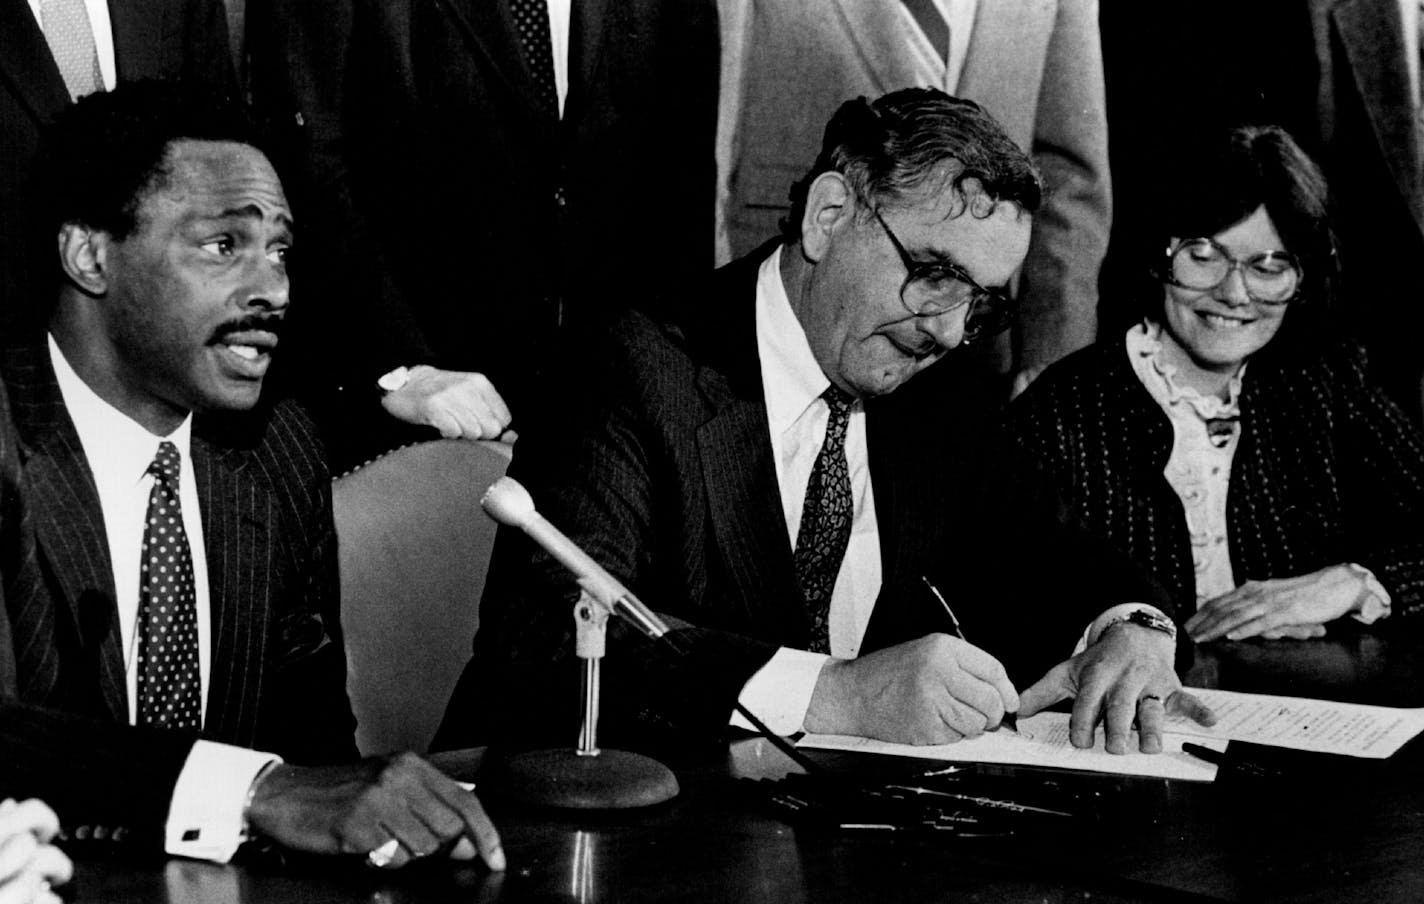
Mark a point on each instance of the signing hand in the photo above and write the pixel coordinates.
(932, 690)
(29, 865)
(1290, 607)
(358, 807)
(459, 405)
(1127, 674)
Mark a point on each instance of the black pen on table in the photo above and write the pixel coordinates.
(1010, 720)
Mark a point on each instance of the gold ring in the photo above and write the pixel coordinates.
(382, 856)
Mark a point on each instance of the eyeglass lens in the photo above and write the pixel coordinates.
(1272, 276)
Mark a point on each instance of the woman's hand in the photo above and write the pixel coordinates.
(1290, 607)
(29, 865)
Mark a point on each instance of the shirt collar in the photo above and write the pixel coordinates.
(791, 378)
(119, 449)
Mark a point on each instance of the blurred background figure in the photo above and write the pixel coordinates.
(481, 183)
(1037, 68)
(54, 51)
(29, 865)
(1229, 440)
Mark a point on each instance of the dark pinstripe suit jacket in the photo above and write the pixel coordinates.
(277, 679)
(668, 481)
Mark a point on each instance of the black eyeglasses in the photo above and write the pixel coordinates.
(932, 288)
(1271, 277)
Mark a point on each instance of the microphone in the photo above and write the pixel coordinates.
(507, 502)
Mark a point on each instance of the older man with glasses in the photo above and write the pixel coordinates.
(752, 473)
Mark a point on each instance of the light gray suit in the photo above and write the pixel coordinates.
(1036, 65)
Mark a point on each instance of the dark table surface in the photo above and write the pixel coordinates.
(1333, 829)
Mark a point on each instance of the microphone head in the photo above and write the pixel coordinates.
(507, 502)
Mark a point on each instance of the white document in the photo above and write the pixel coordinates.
(1042, 740)
(1303, 724)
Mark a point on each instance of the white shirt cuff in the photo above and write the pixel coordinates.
(205, 816)
(1373, 603)
(1115, 614)
(780, 692)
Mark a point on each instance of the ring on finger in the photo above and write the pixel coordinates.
(1146, 697)
(382, 856)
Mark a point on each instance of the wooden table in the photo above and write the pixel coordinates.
(1340, 830)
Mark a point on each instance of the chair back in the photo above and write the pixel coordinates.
(414, 548)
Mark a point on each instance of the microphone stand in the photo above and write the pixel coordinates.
(587, 777)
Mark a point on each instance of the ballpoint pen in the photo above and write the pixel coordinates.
(1010, 720)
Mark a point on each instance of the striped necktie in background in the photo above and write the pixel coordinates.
(70, 36)
(932, 22)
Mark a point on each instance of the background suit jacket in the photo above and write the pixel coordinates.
(1369, 144)
(277, 679)
(447, 218)
(184, 39)
(1036, 66)
(670, 485)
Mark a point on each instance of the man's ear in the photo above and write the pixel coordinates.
(830, 202)
(84, 255)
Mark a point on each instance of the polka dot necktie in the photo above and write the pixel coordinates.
(70, 36)
(825, 521)
(169, 685)
(531, 17)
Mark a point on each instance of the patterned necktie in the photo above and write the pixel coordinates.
(532, 19)
(169, 684)
(71, 41)
(933, 23)
(825, 521)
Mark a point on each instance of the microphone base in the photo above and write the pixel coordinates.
(610, 780)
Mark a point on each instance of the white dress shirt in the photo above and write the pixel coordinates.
(205, 814)
(792, 383)
(559, 13)
(98, 11)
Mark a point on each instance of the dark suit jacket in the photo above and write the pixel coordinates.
(1327, 471)
(184, 39)
(1364, 134)
(277, 679)
(446, 218)
(669, 483)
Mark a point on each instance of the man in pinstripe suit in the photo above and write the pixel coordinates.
(137, 429)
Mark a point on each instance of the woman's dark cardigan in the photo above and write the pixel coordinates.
(1327, 470)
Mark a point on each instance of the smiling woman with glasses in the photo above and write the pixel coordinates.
(1230, 441)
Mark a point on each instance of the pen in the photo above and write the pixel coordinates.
(1010, 720)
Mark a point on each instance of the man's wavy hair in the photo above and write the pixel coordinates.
(916, 139)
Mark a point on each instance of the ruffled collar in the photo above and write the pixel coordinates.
(1144, 347)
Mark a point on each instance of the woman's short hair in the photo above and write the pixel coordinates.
(1220, 180)
(900, 142)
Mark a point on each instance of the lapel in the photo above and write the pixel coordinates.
(1003, 65)
(1374, 48)
(138, 29)
(69, 523)
(235, 510)
(487, 26)
(878, 35)
(739, 478)
(26, 64)
(587, 27)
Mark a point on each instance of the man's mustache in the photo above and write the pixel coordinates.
(267, 323)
